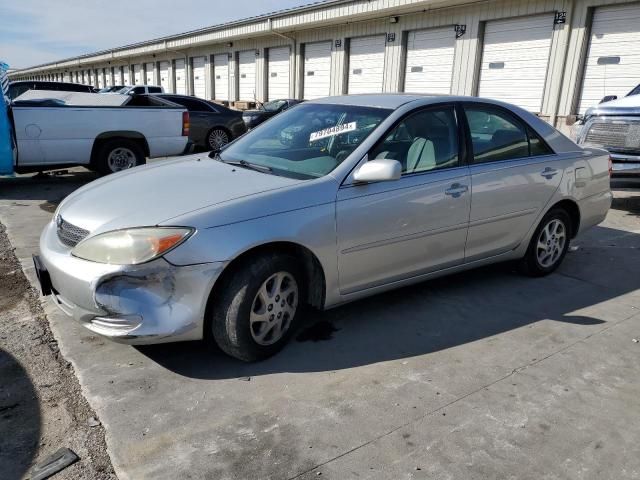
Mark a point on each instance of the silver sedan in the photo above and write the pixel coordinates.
(331, 201)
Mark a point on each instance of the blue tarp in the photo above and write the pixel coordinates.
(6, 143)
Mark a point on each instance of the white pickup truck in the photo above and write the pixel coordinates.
(106, 133)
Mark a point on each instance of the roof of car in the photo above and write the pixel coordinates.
(380, 100)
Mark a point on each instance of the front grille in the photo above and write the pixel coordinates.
(608, 135)
(68, 233)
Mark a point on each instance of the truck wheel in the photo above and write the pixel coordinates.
(255, 313)
(548, 245)
(119, 154)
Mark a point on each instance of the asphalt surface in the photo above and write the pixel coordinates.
(485, 374)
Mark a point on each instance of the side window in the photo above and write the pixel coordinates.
(424, 141)
(192, 105)
(495, 135)
(536, 145)
(138, 90)
(155, 90)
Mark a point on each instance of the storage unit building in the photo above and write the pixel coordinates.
(366, 64)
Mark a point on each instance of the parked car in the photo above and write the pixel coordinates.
(107, 133)
(18, 88)
(377, 192)
(615, 126)
(253, 118)
(111, 89)
(212, 126)
(140, 90)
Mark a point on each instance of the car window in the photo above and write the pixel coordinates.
(424, 141)
(137, 90)
(191, 104)
(274, 106)
(495, 135)
(635, 91)
(308, 141)
(155, 90)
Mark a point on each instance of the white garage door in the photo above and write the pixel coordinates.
(137, 75)
(317, 70)
(366, 64)
(247, 74)
(126, 77)
(613, 62)
(430, 61)
(278, 86)
(515, 59)
(164, 75)
(198, 77)
(149, 69)
(107, 78)
(181, 75)
(101, 78)
(221, 76)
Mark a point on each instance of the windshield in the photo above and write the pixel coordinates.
(274, 106)
(308, 141)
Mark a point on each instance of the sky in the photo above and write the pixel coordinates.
(33, 32)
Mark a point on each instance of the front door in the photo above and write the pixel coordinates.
(390, 231)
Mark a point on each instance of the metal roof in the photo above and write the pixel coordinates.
(199, 31)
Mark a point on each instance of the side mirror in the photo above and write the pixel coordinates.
(608, 98)
(382, 170)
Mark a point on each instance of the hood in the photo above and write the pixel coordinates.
(153, 194)
(626, 105)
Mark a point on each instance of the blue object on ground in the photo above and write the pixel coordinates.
(6, 139)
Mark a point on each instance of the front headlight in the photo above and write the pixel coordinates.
(132, 246)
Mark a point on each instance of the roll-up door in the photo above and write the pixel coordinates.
(366, 64)
(164, 75)
(247, 75)
(137, 74)
(429, 66)
(181, 75)
(198, 77)
(613, 61)
(278, 83)
(515, 60)
(149, 71)
(107, 78)
(221, 76)
(317, 70)
(126, 76)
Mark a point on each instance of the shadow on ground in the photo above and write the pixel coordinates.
(19, 419)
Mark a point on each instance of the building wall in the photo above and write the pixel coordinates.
(340, 22)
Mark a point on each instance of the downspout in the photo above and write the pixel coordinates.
(294, 42)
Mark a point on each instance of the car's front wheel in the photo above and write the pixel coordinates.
(255, 311)
(548, 245)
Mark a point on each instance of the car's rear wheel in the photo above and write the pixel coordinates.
(218, 138)
(117, 155)
(549, 244)
(254, 314)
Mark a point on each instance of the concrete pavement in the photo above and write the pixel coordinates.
(485, 374)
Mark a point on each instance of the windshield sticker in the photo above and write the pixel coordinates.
(330, 132)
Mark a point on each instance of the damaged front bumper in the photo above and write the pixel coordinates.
(156, 302)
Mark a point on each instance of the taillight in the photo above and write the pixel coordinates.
(610, 166)
(185, 124)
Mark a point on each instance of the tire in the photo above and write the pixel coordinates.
(554, 231)
(118, 154)
(248, 312)
(218, 138)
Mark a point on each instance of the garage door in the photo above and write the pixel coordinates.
(430, 60)
(221, 76)
(278, 86)
(164, 75)
(126, 76)
(107, 78)
(366, 64)
(317, 70)
(149, 71)
(247, 75)
(613, 61)
(515, 59)
(181, 75)
(198, 77)
(137, 75)
(101, 78)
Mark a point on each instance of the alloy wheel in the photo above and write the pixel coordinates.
(273, 308)
(551, 243)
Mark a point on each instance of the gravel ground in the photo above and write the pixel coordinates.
(41, 406)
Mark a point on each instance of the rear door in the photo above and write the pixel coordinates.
(514, 174)
(390, 231)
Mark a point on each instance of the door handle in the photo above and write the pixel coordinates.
(456, 190)
(549, 173)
